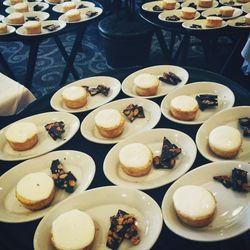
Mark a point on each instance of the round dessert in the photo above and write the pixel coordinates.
(194, 205)
(213, 21)
(3, 28)
(205, 3)
(136, 159)
(225, 141)
(247, 18)
(184, 107)
(35, 191)
(74, 97)
(73, 15)
(226, 11)
(13, 2)
(146, 84)
(33, 27)
(188, 12)
(21, 7)
(54, 1)
(73, 230)
(16, 18)
(22, 135)
(68, 6)
(243, 1)
(169, 4)
(110, 123)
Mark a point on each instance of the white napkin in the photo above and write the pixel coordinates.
(14, 97)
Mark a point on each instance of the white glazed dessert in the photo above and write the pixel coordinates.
(35, 191)
(184, 107)
(226, 11)
(15, 18)
(188, 12)
(3, 28)
(136, 159)
(225, 141)
(146, 84)
(168, 4)
(74, 97)
(22, 135)
(73, 230)
(213, 21)
(194, 205)
(205, 3)
(73, 15)
(21, 7)
(33, 27)
(68, 6)
(109, 122)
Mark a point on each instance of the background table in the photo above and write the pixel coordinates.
(20, 236)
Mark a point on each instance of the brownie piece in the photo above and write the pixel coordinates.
(192, 5)
(133, 111)
(55, 129)
(37, 7)
(170, 78)
(245, 124)
(196, 26)
(100, 89)
(32, 18)
(91, 13)
(157, 8)
(239, 177)
(51, 27)
(207, 101)
(172, 18)
(225, 180)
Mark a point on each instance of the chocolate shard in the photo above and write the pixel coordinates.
(225, 180)
(169, 150)
(55, 129)
(170, 78)
(133, 111)
(207, 101)
(157, 8)
(244, 122)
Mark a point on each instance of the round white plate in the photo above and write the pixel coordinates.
(128, 86)
(100, 208)
(235, 3)
(59, 7)
(10, 30)
(216, 11)
(80, 164)
(149, 6)
(162, 16)
(39, 14)
(45, 141)
(233, 22)
(232, 216)
(45, 6)
(201, 22)
(246, 7)
(21, 30)
(84, 17)
(152, 116)
(156, 177)
(7, 2)
(93, 101)
(196, 2)
(226, 117)
(225, 100)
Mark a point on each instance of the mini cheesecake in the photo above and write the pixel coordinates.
(205, 3)
(168, 4)
(15, 18)
(3, 28)
(21, 7)
(136, 159)
(68, 6)
(213, 21)
(225, 141)
(146, 84)
(73, 15)
(33, 27)
(194, 205)
(73, 230)
(74, 97)
(188, 12)
(226, 11)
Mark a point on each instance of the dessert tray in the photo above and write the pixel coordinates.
(7, 2)
(231, 3)
(84, 17)
(226, 117)
(232, 216)
(238, 23)
(195, 2)
(44, 6)
(60, 25)
(246, 7)
(162, 16)
(10, 30)
(194, 25)
(152, 116)
(93, 102)
(59, 7)
(150, 5)
(128, 86)
(216, 12)
(156, 177)
(96, 204)
(225, 100)
(45, 142)
(80, 164)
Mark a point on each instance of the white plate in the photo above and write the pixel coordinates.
(10, 9)
(156, 177)
(7, 2)
(226, 117)
(59, 7)
(80, 164)
(84, 18)
(93, 101)
(61, 2)
(196, 2)
(162, 16)
(201, 22)
(241, 19)
(10, 30)
(246, 7)
(95, 203)
(216, 11)
(152, 116)
(21, 30)
(232, 216)
(236, 3)
(45, 141)
(128, 86)
(149, 6)
(39, 14)
(225, 100)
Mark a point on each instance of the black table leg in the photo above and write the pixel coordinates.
(6, 67)
(163, 45)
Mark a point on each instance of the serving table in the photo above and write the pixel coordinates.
(20, 236)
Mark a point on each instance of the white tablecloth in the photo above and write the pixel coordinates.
(14, 97)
